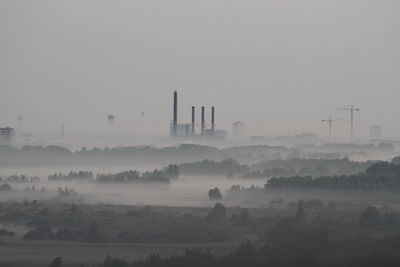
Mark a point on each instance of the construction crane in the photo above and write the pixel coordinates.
(330, 120)
(351, 109)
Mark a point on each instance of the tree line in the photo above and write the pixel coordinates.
(164, 175)
(296, 241)
(379, 176)
(19, 179)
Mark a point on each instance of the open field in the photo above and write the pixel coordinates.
(32, 254)
(346, 238)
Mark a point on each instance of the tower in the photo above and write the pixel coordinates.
(203, 123)
(175, 118)
(193, 121)
(212, 120)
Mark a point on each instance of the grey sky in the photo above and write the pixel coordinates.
(279, 66)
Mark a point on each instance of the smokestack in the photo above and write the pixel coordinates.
(193, 122)
(202, 121)
(212, 120)
(175, 121)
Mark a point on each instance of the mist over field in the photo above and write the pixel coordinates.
(199, 133)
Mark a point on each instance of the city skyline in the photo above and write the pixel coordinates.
(250, 61)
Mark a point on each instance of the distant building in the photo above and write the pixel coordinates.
(110, 124)
(188, 129)
(180, 129)
(257, 138)
(238, 129)
(217, 134)
(375, 132)
(7, 135)
(110, 118)
(307, 137)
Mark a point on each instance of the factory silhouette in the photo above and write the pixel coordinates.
(202, 131)
(188, 130)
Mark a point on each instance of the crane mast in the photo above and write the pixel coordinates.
(351, 109)
(330, 121)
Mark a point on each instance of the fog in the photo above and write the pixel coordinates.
(279, 66)
(95, 174)
(187, 192)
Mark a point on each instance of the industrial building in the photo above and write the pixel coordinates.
(7, 135)
(189, 129)
(238, 129)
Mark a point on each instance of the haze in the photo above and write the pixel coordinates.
(279, 66)
(103, 163)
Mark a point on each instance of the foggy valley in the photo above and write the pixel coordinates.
(199, 133)
(120, 205)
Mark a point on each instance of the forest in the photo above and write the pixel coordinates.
(379, 176)
(61, 156)
(162, 176)
(201, 206)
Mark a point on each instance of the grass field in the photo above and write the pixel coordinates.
(24, 254)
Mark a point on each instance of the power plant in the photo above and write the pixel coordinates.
(188, 130)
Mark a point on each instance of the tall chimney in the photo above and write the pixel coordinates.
(212, 120)
(193, 122)
(175, 121)
(202, 121)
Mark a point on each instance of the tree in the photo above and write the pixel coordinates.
(114, 262)
(300, 213)
(5, 187)
(244, 254)
(296, 243)
(369, 217)
(214, 194)
(217, 213)
(57, 262)
(244, 214)
(172, 171)
(93, 233)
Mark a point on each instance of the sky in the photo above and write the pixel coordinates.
(279, 66)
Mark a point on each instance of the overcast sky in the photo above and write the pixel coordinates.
(279, 66)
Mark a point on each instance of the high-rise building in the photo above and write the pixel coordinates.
(375, 132)
(7, 135)
(238, 129)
